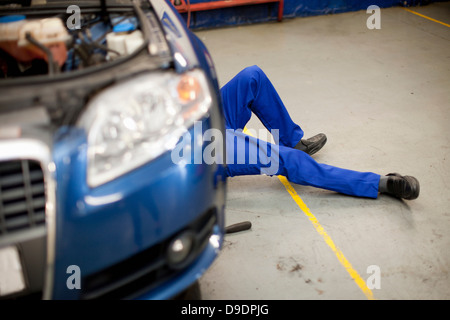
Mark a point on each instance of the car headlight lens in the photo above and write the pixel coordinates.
(135, 121)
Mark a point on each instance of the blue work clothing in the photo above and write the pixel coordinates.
(251, 91)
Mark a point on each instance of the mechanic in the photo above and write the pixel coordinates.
(251, 91)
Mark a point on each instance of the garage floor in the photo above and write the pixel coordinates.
(383, 99)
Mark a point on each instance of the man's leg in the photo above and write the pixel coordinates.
(248, 155)
(251, 91)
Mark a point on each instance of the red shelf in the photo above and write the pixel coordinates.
(226, 4)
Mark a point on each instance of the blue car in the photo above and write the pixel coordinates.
(105, 108)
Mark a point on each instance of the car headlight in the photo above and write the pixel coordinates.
(137, 120)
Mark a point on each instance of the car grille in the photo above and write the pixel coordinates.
(145, 270)
(22, 196)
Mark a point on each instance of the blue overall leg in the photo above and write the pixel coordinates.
(247, 155)
(251, 91)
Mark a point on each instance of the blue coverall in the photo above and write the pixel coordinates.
(251, 91)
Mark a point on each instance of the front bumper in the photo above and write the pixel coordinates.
(117, 234)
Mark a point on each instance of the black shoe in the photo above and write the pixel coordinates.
(405, 187)
(313, 144)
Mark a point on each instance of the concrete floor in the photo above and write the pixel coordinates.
(383, 99)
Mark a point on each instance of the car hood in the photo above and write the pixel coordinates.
(64, 94)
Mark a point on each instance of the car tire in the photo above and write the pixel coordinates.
(193, 292)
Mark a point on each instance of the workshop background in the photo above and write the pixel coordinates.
(382, 97)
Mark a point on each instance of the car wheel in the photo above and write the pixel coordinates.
(191, 293)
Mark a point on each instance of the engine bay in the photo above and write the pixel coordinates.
(65, 38)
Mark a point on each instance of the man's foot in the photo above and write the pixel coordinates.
(313, 144)
(405, 187)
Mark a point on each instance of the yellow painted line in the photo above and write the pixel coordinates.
(426, 17)
(342, 259)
